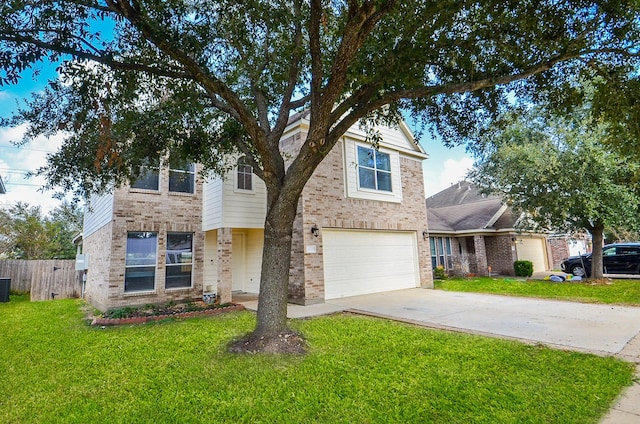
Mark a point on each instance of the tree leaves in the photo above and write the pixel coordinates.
(26, 234)
(557, 170)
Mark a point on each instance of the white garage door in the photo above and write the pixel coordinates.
(362, 262)
(532, 249)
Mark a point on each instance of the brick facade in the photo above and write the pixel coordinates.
(149, 211)
(97, 246)
(500, 253)
(324, 204)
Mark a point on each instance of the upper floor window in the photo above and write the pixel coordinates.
(148, 176)
(244, 176)
(140, 263)
(374, 169)
(181, 176)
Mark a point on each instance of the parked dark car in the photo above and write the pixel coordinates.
(619, 258)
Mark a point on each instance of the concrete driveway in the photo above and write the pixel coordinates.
(600, 329)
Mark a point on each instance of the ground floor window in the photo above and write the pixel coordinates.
(179, 262)
(441, 252)
(140, 265)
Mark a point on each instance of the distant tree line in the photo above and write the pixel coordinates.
(26, 233)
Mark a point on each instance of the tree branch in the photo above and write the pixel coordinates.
(105, 60)
(89, 4)
(287, 105)
(453, 88)
(316, 52)
(212, 85)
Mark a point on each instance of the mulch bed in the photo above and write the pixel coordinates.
(141, 318)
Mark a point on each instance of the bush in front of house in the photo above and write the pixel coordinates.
(523, 268)
(439, 273)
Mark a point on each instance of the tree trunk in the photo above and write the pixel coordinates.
(274, 284)
(597, 232)
(271, 334)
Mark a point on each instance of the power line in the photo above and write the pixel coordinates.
(15, 171)
(26, 148)
(9, 183)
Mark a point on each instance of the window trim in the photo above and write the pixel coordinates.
(182, 171)
(351, 184)
(375, 170)
(128, 267)
(157, 170)
(236, 179)
(171, 265)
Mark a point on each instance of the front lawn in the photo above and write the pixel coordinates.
(623, 292)
(56, 369)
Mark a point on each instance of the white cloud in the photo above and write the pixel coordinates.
(451, 171)
(15, 162)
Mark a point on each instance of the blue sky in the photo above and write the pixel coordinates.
(444, 167)
(16, 162)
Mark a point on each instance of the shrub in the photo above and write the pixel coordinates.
(523, 268)
(439, 273)
(123, 312)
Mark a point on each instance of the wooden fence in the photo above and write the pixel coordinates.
(45, 279)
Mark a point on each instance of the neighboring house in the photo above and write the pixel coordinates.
(471, 233)
(170, 236)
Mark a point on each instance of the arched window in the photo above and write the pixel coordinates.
(244, 177)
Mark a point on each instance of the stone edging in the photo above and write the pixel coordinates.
(141, 320)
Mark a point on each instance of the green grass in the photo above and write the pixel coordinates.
(54, 368)
(622, 292)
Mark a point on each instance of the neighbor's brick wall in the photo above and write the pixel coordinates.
(500, 254)
(161, 212)
(323, 203)
(559, 250)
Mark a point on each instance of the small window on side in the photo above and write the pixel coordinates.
(244, 175)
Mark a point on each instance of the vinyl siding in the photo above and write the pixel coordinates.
(212, 204)
(243, 209)
(253, 256)
(210, 283)
(225, 207)
(98, 213)
(398, 138)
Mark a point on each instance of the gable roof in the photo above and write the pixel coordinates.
(462, 208)
(398, 137)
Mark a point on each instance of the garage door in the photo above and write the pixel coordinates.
(533, 249)
(362, 262)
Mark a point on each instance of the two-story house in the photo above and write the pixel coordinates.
(361, 228)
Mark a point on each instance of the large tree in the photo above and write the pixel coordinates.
(557, 172)
(205, 78)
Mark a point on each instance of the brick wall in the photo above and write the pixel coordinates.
(500, 254)
(559, 250)
(142, 210)
(98, 247)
